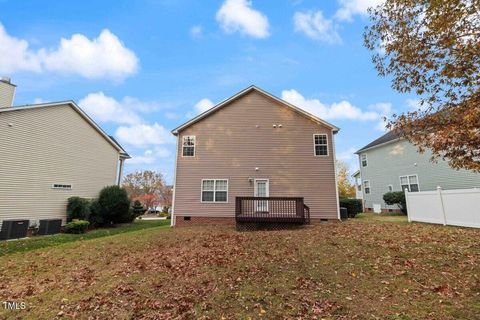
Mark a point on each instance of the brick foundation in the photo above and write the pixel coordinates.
(196, 221)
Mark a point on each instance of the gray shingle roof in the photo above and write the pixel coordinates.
(387, 137)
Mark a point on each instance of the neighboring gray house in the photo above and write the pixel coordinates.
(358, 184)
(391, 163)
(50, 152)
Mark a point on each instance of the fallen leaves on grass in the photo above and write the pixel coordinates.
(341, 271)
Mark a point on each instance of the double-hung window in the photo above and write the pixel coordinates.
(410, 183)
(188, 146)
(366, 186)
(214, 190)
(364, 160)
(320, 144)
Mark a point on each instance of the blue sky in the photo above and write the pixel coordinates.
(141, 68)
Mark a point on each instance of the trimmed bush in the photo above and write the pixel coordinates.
(398, 198)
(138, 208)
(78, 208)
(76, 226)
(112, 206)
(354, 206)
(95, 217)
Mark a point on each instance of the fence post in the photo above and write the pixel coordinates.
(406, 201)
(439, 190)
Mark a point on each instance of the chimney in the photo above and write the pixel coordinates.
(7, 92)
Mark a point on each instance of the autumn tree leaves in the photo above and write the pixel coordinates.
(432, 49)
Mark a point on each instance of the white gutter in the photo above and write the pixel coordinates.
(173, 220)
(336, 178)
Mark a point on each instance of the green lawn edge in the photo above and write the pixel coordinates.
(39, 242)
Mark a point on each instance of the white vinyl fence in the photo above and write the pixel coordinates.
(448, 207)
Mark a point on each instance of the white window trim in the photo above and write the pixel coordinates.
(408, 180)
(314, 145)
(369, 187)
(267, 190)
(194, 146)
(361, 160)
(214, 185)
(388, 187)
(63, 184)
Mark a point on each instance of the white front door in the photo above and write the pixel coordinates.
(261, 190)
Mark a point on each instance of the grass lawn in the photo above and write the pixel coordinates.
(361, 269)
(22, 245)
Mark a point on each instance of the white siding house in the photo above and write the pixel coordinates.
(391, 163)
(50, 152)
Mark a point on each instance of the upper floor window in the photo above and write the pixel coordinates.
(320, 144)
(188, 146)
(364, 160)
(366, 186)
(214, 190)
(410, 183)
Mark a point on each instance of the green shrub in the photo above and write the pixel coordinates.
(78, 208)
(398, 198)
(165, 215)
(138, 208)
(354, 206)
(76, 226)
(95, 217)
(112, 206)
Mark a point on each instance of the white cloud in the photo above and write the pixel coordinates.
(416, 105)
(171, 115)
(347, 155)
(102, 57)
(106, 109)
(316, 26)
(348, 8)
(15, 55)
(338, 110)
(38, 101)
(203, 105)
(150, 156)
(196, 31)
(238, 16)
(142, 135)
(384, 110)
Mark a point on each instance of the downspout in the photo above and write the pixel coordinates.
(336, 178)
(120, 172)
(173, 220)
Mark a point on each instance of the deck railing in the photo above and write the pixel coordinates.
(271, 210)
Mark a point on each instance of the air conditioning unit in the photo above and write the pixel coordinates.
(49, 226)
(14, 229)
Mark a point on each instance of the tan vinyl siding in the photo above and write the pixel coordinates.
(236, 139)
(45, 146)
(7, 92)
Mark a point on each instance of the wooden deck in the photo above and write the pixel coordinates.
(265, 210)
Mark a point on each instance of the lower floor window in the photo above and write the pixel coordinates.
(410, 183)
(214, 190)
(366, 186)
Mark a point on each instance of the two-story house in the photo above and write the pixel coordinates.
(48, 153)
(391, 163)
(253, 144)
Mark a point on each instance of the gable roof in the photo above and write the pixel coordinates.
(356, 173)
(388, 137)
(74, 106)
(262, 92)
